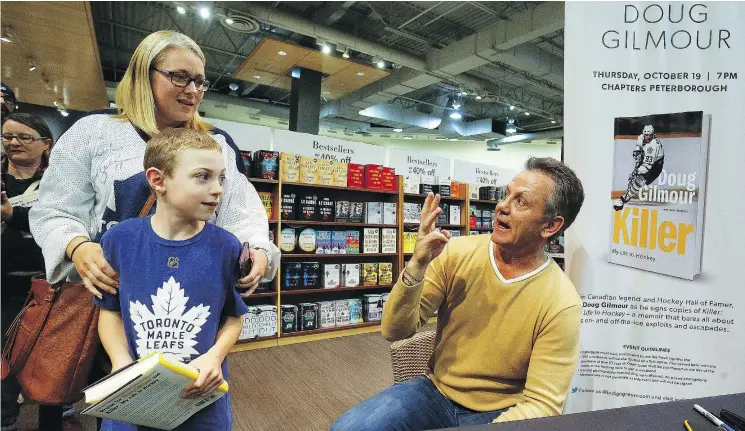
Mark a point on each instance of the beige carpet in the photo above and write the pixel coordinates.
(298, 387)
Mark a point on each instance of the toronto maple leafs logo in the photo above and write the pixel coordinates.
(169, 328)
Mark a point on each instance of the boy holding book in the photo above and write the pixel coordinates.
(177, 274)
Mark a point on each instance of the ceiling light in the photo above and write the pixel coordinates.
(257, 76)
(456, 105)
(453, 139)
(56, 103)
(233, 86)
(181, 10)
(456, 115)
(229, 21)
(408, 137)
(527, 113)
(346, 53)
(510, 129)
(360, 73)
(553, 121)
(326, 49)
(281, 53)
(31, 64)
(512, 107)
(398, 130)
(478, 97)
(64, 112)
(381, 64)
(204, 12)
(463, 93)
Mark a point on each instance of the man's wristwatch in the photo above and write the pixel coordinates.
(408, 279)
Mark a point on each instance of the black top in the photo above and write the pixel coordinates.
(19, 250)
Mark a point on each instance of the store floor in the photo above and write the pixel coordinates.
(298, 387)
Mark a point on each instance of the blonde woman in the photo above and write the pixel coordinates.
(96, 177)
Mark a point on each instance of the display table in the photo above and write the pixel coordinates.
(659, 416)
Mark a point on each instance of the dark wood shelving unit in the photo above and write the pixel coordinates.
(326, 256)
(481, 201)
(335, 223)
(349, 189)
(448, 226)
(338, 289)
(254, 340)
(332, 329)
(262, 180)
(482, 228)
(442, 198)
(262, 295)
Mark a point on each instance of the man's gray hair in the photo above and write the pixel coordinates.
(567, 196)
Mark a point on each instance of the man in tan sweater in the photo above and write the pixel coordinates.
(507, 316)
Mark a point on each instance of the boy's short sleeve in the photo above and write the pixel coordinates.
(108, 301)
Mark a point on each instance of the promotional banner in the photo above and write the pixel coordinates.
(653, 100)
(477, 173)
(324, 147)
(412, 163)
(247, 137)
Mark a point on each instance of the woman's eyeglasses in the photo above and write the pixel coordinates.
(24, 139)
(180, 79)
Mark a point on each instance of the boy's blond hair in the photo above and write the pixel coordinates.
(134, 94)
(164, 149)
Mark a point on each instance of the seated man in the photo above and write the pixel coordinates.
(508, 317)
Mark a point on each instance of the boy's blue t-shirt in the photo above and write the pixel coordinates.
(173, 296)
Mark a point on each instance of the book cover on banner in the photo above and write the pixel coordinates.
(658, 192)
(148, 392)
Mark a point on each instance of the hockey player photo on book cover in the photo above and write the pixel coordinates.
(658, 192)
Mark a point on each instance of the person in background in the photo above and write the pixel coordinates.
(27, 142)
(96, 178)
(508, 317)
(7, 100)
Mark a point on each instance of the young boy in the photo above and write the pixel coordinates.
(177, 274)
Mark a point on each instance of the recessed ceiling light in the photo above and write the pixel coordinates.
(346, 53)
(478, 97)
(326, 49)
(281, 53)
(229, 21)
(56, 103)
(527, 113)
(360, 73)
(512, 108)
(408, 137)
(510, 129)
(381, 64)
(553, 121)
(456, 105)
(398, 130)
(257, 76)
(456, 115)
(64, 112)
(181, 10)
(204, 12)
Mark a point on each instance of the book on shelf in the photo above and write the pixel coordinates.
(371, 240)
(473, 191)
(444, 187)
(148, 392)
(287, 240)
(429, 184)
(267, 320)
(311, 275)
(443, 217)
(355, 311)
(306, 240)
(308, 170)
(325, 172)
(385, 273)
(325, 209)
(370, 274)
(340, 174)
(411, 183)
(343, 209)
(292, 275)
(289, 167)
(374, 212)
(388, 179)
(412, 212)
(326, 314)
(388, 240)
(288, 205)
(389, 212)
(289, 317)
(267, 201)
(332, 275)
(265, 164)
(339, 242)
(355, 175)
(308, 207)
(353, 242)
(356, 212)
(323, 242)
(341, 312)
(350, 275)
(454, 214)
(250, 328)
(308, 314)
(246, 158)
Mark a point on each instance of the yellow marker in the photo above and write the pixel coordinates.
(687, 425)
